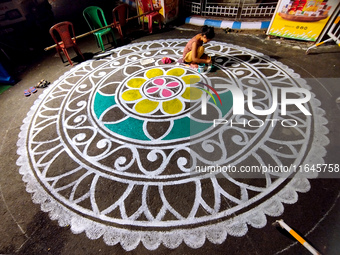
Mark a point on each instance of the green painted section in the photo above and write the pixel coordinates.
(182, 128)
(101, 103)
(131, 128)
(227, 102)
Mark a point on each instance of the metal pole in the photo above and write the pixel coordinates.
(239, 12)
(203, 4)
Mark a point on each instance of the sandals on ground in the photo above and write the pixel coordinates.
(27, 93)
(42, 84)
(32, 90)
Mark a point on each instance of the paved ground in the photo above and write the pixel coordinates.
(26, 229)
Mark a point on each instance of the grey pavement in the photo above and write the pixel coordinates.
(26, 229)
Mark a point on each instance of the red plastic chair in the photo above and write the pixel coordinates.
(65, 31)
(121, 12)
(147, 6)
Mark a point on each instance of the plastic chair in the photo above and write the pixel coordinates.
(147, 6)
(95, 18)
(65, 31)
(121, 12)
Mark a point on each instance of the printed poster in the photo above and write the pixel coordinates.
(170, 10)
(301, 19)
(167, 8)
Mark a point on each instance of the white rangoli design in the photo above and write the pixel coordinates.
(111, 147)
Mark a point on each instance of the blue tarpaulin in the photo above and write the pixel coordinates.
(5, 77)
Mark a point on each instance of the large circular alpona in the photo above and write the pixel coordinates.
(120, 150)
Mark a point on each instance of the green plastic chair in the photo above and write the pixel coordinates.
(95, 18)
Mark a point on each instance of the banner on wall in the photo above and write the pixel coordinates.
(10, 12)
(301, 19)
(168, 9)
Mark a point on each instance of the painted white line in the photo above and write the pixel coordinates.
(10, 213)
(197, 21)
(227, 24)
(251, 25)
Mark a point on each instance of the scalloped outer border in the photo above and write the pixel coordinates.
(194, 238)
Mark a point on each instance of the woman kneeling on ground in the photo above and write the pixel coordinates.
(193, 53)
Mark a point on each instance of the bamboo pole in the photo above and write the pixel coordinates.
(96, 30)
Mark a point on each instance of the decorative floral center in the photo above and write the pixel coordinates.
(160, 92)
(162, 88)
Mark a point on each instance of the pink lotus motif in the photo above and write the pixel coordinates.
(163, 88)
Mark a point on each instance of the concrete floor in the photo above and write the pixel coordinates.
(25, 229)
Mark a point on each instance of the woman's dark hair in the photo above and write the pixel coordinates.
(208, 32)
